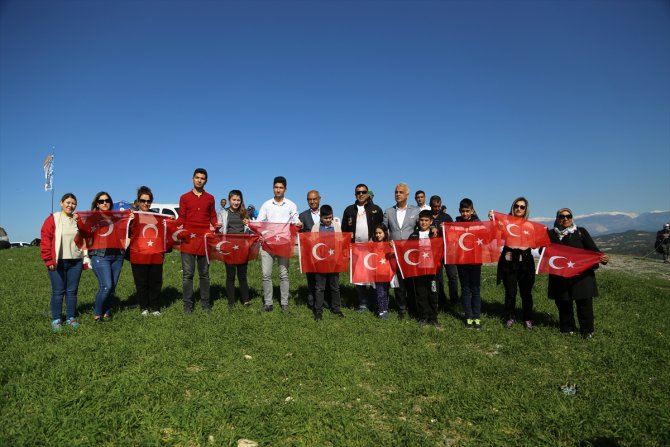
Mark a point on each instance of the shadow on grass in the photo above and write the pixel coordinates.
(599, 442)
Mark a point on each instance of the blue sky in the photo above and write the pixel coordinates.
(564, 102)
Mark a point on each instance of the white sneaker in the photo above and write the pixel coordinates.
(156, 313)
(145, 313)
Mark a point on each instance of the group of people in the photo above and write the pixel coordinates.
(419, 297)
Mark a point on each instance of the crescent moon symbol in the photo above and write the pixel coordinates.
(460, 241)
(174, 235)
(552, 260)
(406, 257)
(218, 247)
(152, 226)
(111, 228)
(366, 259)
(315, 248)
(509, 229)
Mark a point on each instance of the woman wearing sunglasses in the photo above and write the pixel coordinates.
(106, 264)
(516, 269)
(579, 289)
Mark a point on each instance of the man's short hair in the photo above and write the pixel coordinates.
(326, 210)
(435, 199)
(465, 203)
(419, 192)
(426, 213)
(279, 179)
(200, 171)
(361, 185)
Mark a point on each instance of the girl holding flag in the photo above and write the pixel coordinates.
(234, 220)
(580, 289)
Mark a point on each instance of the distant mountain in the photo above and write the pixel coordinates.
(632, 242)
(616, 222)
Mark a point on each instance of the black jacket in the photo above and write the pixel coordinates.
(374, 216)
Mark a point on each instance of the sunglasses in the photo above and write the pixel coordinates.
(145, 201)
(101, 201)
(521, 207)
(565, 216)
(358, 193)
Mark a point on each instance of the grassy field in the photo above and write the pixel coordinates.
(282, 379)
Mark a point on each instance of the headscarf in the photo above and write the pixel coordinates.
(561, 231)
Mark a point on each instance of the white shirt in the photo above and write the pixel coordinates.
(361, 225)
(284, 212)
(400, 215)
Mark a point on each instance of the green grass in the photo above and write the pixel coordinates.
(185, 380)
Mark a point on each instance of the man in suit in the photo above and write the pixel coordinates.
(309, 218)
(401, 220)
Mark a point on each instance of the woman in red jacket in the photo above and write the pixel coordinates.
(63, 259)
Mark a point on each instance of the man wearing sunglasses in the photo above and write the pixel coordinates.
(361, 219)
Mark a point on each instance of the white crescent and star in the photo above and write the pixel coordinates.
(149, 226)
(509, 229)
(174, 235)
(553, 259)
(110, 228)
(315, 254)
(460, 241)
(218, 247)
(366, 259)
(406, 256)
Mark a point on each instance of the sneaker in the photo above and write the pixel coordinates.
(587, 336)
(247, 304)
(56, 325)
(509, 323)
(383, 315)
(72, 322)
(268, 308)
(477, 324)
(156, 313)
(284, 307)
(98, 319)
(107, 317)
(528, 324)
(469, 324)
(362, 309)
(145, 312)
(339, 314)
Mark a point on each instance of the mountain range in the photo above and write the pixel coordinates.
(602, 223)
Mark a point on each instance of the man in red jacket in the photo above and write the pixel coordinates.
(197, 213)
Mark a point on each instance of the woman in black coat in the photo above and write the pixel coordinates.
(579, 289)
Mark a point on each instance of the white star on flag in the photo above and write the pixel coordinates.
(192, 235)
(480, 242)
(526, 232)
(236, 247)
(425, 255)
(571, 265)
(277, 238)
(331, 252)
(382, 261)
(150, 243)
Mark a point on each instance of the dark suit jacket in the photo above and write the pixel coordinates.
(306, 219)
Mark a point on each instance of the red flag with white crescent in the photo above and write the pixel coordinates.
(565, 261)
(372, 262)
(324, 252)
(470, 243)
(104, 229)
(148, 232)
(276, 238)
(516, 232)
(418, 257)
(231, 248)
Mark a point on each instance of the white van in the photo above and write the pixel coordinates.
(171, 209)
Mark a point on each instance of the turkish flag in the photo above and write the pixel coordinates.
(276, 238)
(372, 262)
(103, 230)
(418, 257)
(176, 234)
(470, 243)
(516, 232)
(231, 248)
(561, 260)
(147, 242)
(324, 252)
(192, 238)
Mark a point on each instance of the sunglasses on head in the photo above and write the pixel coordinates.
(101, 201)
(565, 216)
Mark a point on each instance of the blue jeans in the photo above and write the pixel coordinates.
(107, 269)
(65, 281)
(470, 276)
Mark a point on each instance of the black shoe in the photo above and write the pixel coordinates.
(339, 314)
(284, 307)
(401, 315)
(268, 308)
(587, 335)
(318, 316)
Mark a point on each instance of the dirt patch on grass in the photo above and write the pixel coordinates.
(642, 267)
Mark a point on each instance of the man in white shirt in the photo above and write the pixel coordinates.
(278, 210)
(420, 198)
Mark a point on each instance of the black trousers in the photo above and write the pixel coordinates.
(332, 282)
(566, 317)
(404, 302)
(524, 281)
(452, 281)
(241, 271)
(149, 283)
(424, 291)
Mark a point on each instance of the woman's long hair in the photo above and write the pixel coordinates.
(243, 210)
(526, 211)
(94, 204)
